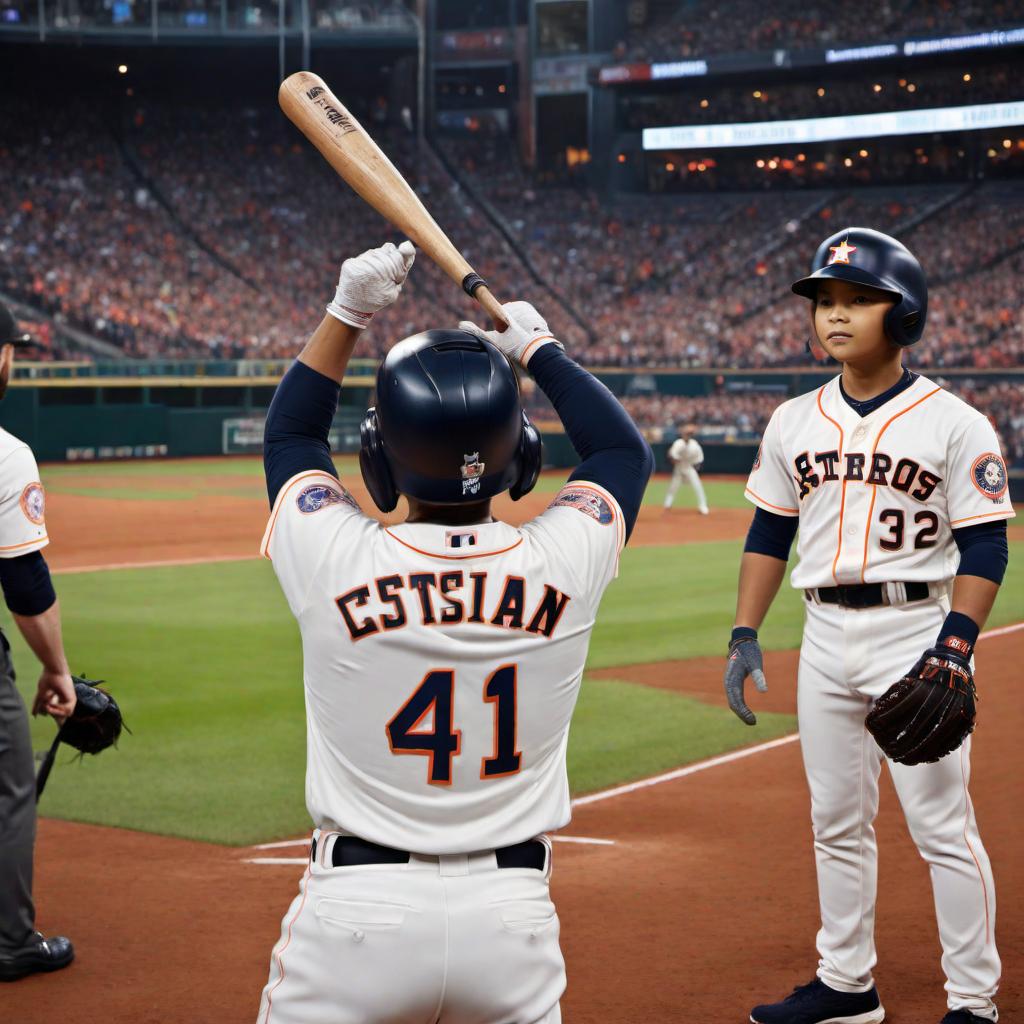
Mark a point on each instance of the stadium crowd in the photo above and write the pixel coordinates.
(705, 27)
(886, 90)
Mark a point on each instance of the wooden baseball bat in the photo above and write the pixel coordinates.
(345, 144)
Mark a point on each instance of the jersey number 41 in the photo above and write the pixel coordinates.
(443, 742)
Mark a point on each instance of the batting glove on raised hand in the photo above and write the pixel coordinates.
(745, 659)
(369, 282)
(527, 331)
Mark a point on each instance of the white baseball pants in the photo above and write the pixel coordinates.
(440, 940)
(849, 658)
(686, 474)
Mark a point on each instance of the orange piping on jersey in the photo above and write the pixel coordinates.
(874, 487)
(967, 817)
(280, 952)
(1006, 513)
(279, 502)
(453, 558)
(778, 508)
(842, 495)
(25, 544)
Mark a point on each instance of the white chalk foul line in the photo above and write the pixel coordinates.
(1002, 630)
(282, 844)
(586, 840)
(680, 773)
(277, 860)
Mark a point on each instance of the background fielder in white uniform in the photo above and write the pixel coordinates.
(442, 658)
(901, 496)
(686, 456)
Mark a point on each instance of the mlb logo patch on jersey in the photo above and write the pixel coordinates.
(472, 469)
(586, 501)
(460, 539)
(988, 474)
(33, 503)
(317, 496)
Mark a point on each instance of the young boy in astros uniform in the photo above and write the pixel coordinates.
(900, 494)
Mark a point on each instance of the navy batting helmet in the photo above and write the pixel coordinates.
(868, 257)
(449, 426)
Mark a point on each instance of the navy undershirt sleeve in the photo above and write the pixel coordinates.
(299, 419)
(28, 589)
(613, 453)
(771, 534)
(983, 550)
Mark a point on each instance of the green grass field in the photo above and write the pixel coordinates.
(205, 661)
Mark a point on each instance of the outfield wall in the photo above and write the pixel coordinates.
(83, 418)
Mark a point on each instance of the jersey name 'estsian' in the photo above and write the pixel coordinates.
(878, 469)
(448, 598)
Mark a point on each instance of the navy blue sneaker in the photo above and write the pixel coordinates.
(816, 1003)
(964, 1017)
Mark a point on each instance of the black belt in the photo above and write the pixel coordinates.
(865, 595)
(350, 852)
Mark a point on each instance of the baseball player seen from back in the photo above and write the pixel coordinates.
(442, 658)
(900, 494)
(686, 456)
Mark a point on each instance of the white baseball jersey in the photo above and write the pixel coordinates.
(441, 663)
(22, 500)
(685, 453)
(878, 496)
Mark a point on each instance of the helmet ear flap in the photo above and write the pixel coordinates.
(531, 452)
(903, 324)
(374, 465)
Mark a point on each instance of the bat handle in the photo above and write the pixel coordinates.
(476, 287)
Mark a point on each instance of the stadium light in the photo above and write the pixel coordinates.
(877, 87)
(967, 76)
(704, 104)
(122, 69)
(924, 121)
(821, 90)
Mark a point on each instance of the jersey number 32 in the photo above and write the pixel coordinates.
(443, 742)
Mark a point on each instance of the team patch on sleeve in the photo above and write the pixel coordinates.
(33, 503)
(988, 474)
(584, 500)
(317, 496)
(757, 459)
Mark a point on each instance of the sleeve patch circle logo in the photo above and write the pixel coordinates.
(33, 503)
(988, 474)
(317, 496)
(588, 502)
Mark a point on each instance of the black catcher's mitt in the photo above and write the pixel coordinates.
(930, 711)
(96, 722)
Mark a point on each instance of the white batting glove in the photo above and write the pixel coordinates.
(527, 332)
(369, 282)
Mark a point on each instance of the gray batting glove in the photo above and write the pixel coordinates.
(527, 331)
(745, 659)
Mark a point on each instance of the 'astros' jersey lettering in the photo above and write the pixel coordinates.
(686, 453)
(441, 663)
(22, 501)
(878, 496)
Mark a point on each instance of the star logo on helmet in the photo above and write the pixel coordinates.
(841, 252)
